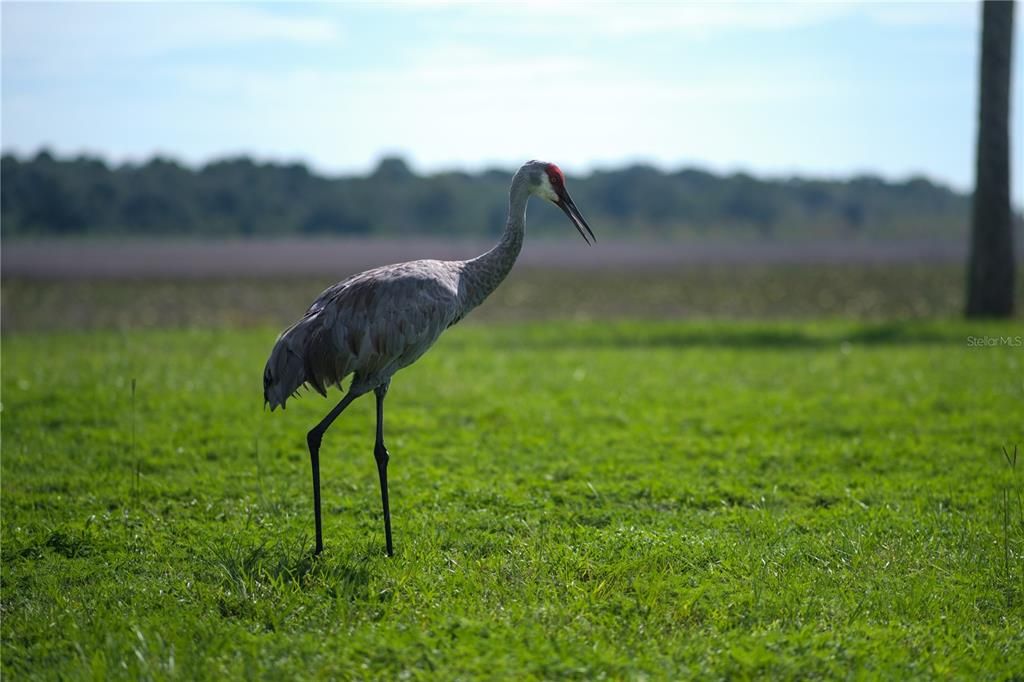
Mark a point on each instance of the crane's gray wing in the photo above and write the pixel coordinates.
(371, 325)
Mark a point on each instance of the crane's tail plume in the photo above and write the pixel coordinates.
(287, 367)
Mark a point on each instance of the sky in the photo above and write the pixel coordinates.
(775, 89)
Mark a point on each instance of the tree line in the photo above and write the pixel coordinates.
(45, 196)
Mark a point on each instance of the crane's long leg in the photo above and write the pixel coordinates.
(313, 439)
(380, 453)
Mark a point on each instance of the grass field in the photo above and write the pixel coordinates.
(590, 500)
(863, 291)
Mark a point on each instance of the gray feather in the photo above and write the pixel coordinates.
(375, 323)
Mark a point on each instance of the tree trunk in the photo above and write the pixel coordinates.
(990, 269)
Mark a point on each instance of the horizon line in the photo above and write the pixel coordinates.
(114, 163)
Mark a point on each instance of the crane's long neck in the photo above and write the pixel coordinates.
(483, 274)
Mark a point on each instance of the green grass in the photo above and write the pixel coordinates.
(570, 500)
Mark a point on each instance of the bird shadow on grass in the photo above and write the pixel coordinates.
(258, 570)
(739, 335)
(33, 545)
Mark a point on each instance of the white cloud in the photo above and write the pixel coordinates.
(617, 19)
(953, 14)
(450, 84)
(691, 19)
(72, 33)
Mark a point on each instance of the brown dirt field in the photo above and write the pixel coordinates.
(696, 291)
(132, 285)
(337, 257)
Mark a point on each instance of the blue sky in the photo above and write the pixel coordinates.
(823, 89)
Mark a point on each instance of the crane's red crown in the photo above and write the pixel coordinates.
(555, 175)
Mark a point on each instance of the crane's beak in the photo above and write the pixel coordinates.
(566, 204)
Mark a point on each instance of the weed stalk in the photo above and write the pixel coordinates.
(1010, 490)
(135, 458)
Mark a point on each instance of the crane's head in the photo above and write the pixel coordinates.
(548, 182)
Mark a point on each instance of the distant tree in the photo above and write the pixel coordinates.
(333, 213)
(752, 203)
(853, 214)
(393, 169)
(434, 211)
(47, 196)
(991, 265)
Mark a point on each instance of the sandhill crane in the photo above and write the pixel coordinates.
(375, 323)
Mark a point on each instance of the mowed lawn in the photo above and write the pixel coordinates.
(616, 500)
